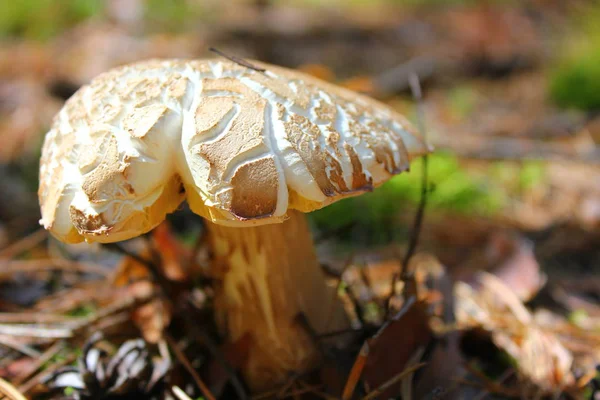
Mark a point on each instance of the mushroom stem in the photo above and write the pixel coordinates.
(267, 275)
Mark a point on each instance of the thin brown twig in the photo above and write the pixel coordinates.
(216, 353)
(34, 318)
(188, 366)
(33, 381)
(484, 393)
(39, 361)
(407, 386)
(488, 384)
(390, 382)
(23, 244)
(323, 395)
(356, 372)
(237, 60)
(10, 342)
(415, 86)
(8, 268)
(406, 274)
(149, 264)
(314, 389)
(281, 393)
(302, 390)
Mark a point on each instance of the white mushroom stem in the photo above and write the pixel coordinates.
(268, 275)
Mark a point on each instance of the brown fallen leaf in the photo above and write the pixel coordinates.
(541, 358)
(395, 343)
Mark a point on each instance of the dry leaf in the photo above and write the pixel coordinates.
(541, 358)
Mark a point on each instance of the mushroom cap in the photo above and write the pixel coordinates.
(242, 145)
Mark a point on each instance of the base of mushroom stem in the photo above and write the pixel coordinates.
(267, 277)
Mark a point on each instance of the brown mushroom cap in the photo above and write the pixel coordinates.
(243, 146)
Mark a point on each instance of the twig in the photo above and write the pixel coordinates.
(314, 389)
(10, 391)
(34, 318)
(10, 342)
(406, 386)
(306, 389)
(185, 362)
(118, 248)
(488, 384)
(23, 244)
(356, 371)
(39, 361)
(179, 393)
(281, 393)
(339, 333)
(156, 273)
(35, 331)
(9, 268)
(416, 230)
(237, 60)
(30, 384)
(213, 348)
(407, 275)
(392, 381)
(398, 78)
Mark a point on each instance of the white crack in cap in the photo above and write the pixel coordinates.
(243, 146)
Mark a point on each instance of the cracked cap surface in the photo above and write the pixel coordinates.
(241, 145)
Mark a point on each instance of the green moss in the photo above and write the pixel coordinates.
(173, 15)
(453, 188)
(84, 310)
(42, 19)
(575, 79)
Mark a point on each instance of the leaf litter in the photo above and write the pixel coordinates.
(495, 284)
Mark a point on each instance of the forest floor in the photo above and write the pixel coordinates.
(506, 301)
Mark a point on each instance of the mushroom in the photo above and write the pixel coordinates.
(251, 149)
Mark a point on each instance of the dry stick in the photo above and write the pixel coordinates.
(406, 386)
(487, 383)
(213, 348)
(34, 318)
(35, 331)
(237, 60)
(179, 393)
(31, 383)
(507, 374)
(152, 268)
(408, 276)
(183, 359)
(10, 342)
(46, 356)
(314, 389)
(296, 392)
(356, 372)
(10, 391)
(23, 244)
(392, 381)
(281, 393)
(8, 268)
